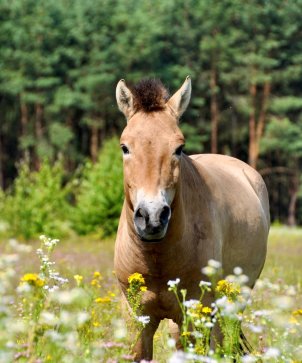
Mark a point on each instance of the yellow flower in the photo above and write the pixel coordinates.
(186, 333)
(95, 283)
(297, 312)
(206, 310)
(97, 275)
(227, 288)
(102, 300)
(96, 324)
(110, 293)
(33, 279)
(143, 288)
(78, 279)
(136, 277)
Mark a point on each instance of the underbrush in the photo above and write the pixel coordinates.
(47, 317)
(50, 201)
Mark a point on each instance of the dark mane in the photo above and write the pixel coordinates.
(149, 95)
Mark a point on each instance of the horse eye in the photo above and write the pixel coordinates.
(178, 151)
(125, 149)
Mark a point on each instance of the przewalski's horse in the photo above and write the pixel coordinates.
(180, 211)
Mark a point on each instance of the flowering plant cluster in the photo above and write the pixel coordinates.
(46, 317)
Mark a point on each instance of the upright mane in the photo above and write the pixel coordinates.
(149, 95)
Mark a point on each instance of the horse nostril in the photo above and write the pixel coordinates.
(141, 217)
(165, 215)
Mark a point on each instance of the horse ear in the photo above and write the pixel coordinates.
(124, 98)
(180, 100)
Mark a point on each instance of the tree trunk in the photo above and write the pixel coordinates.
(214, 110)
(256, 127)
(1, 164)
(293, 196)
(94, 143)
(24, 121)
(252, 128)
(38, 131)
(69, 123)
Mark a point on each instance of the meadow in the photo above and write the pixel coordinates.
(59, 302)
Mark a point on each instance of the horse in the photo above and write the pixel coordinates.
(180, 211)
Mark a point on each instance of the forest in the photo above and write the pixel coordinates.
(60, 62)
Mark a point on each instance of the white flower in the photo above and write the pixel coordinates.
(208, 324)
(271, 353)
(221, 302)
(205, 283)
(53, 335)
(248, 359)
(243, 279)
(283, 302)
(173, 283)
(144, 319)
(48, 318)
(215, 264)
(208, 271)
(82, 317)
(237, 270)
(190, 303)
(255, 328)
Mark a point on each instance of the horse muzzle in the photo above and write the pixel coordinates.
(151, 222)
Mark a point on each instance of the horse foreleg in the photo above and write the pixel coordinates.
(143, 349)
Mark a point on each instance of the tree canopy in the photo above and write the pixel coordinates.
(60, 62)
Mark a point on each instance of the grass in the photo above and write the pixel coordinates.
(84, 256)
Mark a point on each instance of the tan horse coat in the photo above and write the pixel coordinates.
(219, 210)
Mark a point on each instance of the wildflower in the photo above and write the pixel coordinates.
(191, 303)
(208, 271)
(136, 277)
(97, 275)
(173, 283)
(209, 324)
(143, 288)
(102, 300)
(82, 318)
(297, 312)
(95, 283)
(78, 279)
(33, 280)
(283, 302)
(185, 333)
(48, 318)
(238, 271)
(271, 353)
(215, 264)
(206, 310)
(227, 288)
(249, 359)
(205, 283)
(144, 319)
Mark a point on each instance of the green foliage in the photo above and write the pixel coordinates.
(60, 62)
(37, 202)
(99, 197)
(284, 136)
